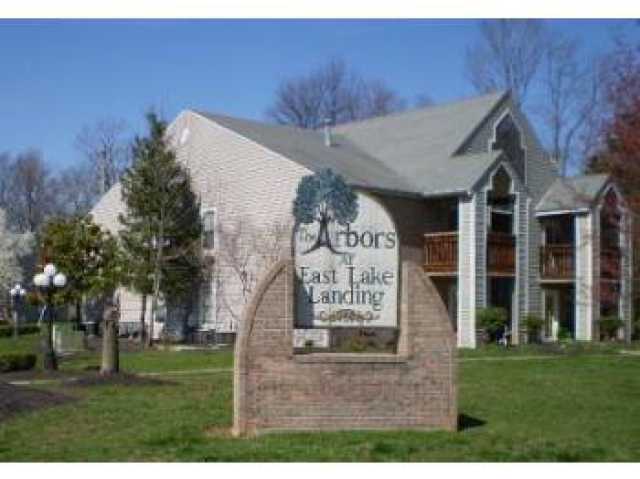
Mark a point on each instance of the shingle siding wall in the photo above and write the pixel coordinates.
(249, 186)
(540, 174)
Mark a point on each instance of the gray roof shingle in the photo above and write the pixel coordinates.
(307, 148)
(409, 152)
(572, 194)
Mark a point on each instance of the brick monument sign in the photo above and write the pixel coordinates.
(346, 278)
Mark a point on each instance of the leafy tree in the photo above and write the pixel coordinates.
(326, 198)
(162, 226)
(87, 254)
(13, 248)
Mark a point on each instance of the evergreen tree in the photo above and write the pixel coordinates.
(162, 227)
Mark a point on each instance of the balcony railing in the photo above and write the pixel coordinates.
(557, 261)
(501, 254)
(441, 253)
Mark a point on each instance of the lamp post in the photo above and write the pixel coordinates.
(47, 282)
(17, 295)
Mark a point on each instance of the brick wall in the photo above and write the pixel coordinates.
(276, 390)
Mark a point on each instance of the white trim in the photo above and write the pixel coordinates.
(466, 279)
(583, 286)
(562, 212)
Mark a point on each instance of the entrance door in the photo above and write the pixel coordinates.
(501, 295)
(551, 314)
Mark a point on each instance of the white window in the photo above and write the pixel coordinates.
(208, 229)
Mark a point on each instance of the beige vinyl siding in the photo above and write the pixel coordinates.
(246, 184)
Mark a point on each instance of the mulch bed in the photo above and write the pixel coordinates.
(19, 399)
(120, 379)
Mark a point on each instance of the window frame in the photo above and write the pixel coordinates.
(203, 213)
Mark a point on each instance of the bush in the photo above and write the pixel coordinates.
(609, 327)
(17, 362)
(533, 325)
(7, 332)
(493, 321)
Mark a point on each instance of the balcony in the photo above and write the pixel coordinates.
(557, 262)
(441, 254)
(501, 254)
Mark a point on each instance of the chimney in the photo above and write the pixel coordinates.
(327, 132)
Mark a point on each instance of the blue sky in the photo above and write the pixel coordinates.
(57, 76)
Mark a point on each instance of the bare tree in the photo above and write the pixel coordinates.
(507, 56)
(245, 253)
(5, 179)
(75, 191)
(29, 192)
(106, 149)
(423, 100)
(571, 98)
(334, 93)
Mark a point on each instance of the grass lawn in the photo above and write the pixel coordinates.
(571, 407)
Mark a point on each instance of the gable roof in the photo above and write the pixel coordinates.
(409, 152)
(576, 193)
(307, 148)
(415, 142)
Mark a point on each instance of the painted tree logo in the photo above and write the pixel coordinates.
(326, 198)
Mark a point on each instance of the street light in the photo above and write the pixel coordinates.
(17, 295)
(47, 282)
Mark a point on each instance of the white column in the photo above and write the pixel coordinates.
(584, 276)
(467, 272)
(626, 274)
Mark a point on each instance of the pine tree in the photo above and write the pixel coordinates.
(162, 227)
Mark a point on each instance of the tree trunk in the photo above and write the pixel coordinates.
(78, 314)
(110, 356)
(110, 351)
(156, 280)
(154, 307)
(143, 313)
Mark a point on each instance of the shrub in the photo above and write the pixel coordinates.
(4, 322)
(609, 327)
(564, 334)
(533, 325)
(17, 362)
(6, 332)
(493, 321)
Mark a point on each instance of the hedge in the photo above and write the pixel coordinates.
(6, 332)
(17, 362)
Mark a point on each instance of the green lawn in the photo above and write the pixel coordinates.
(572, 407)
